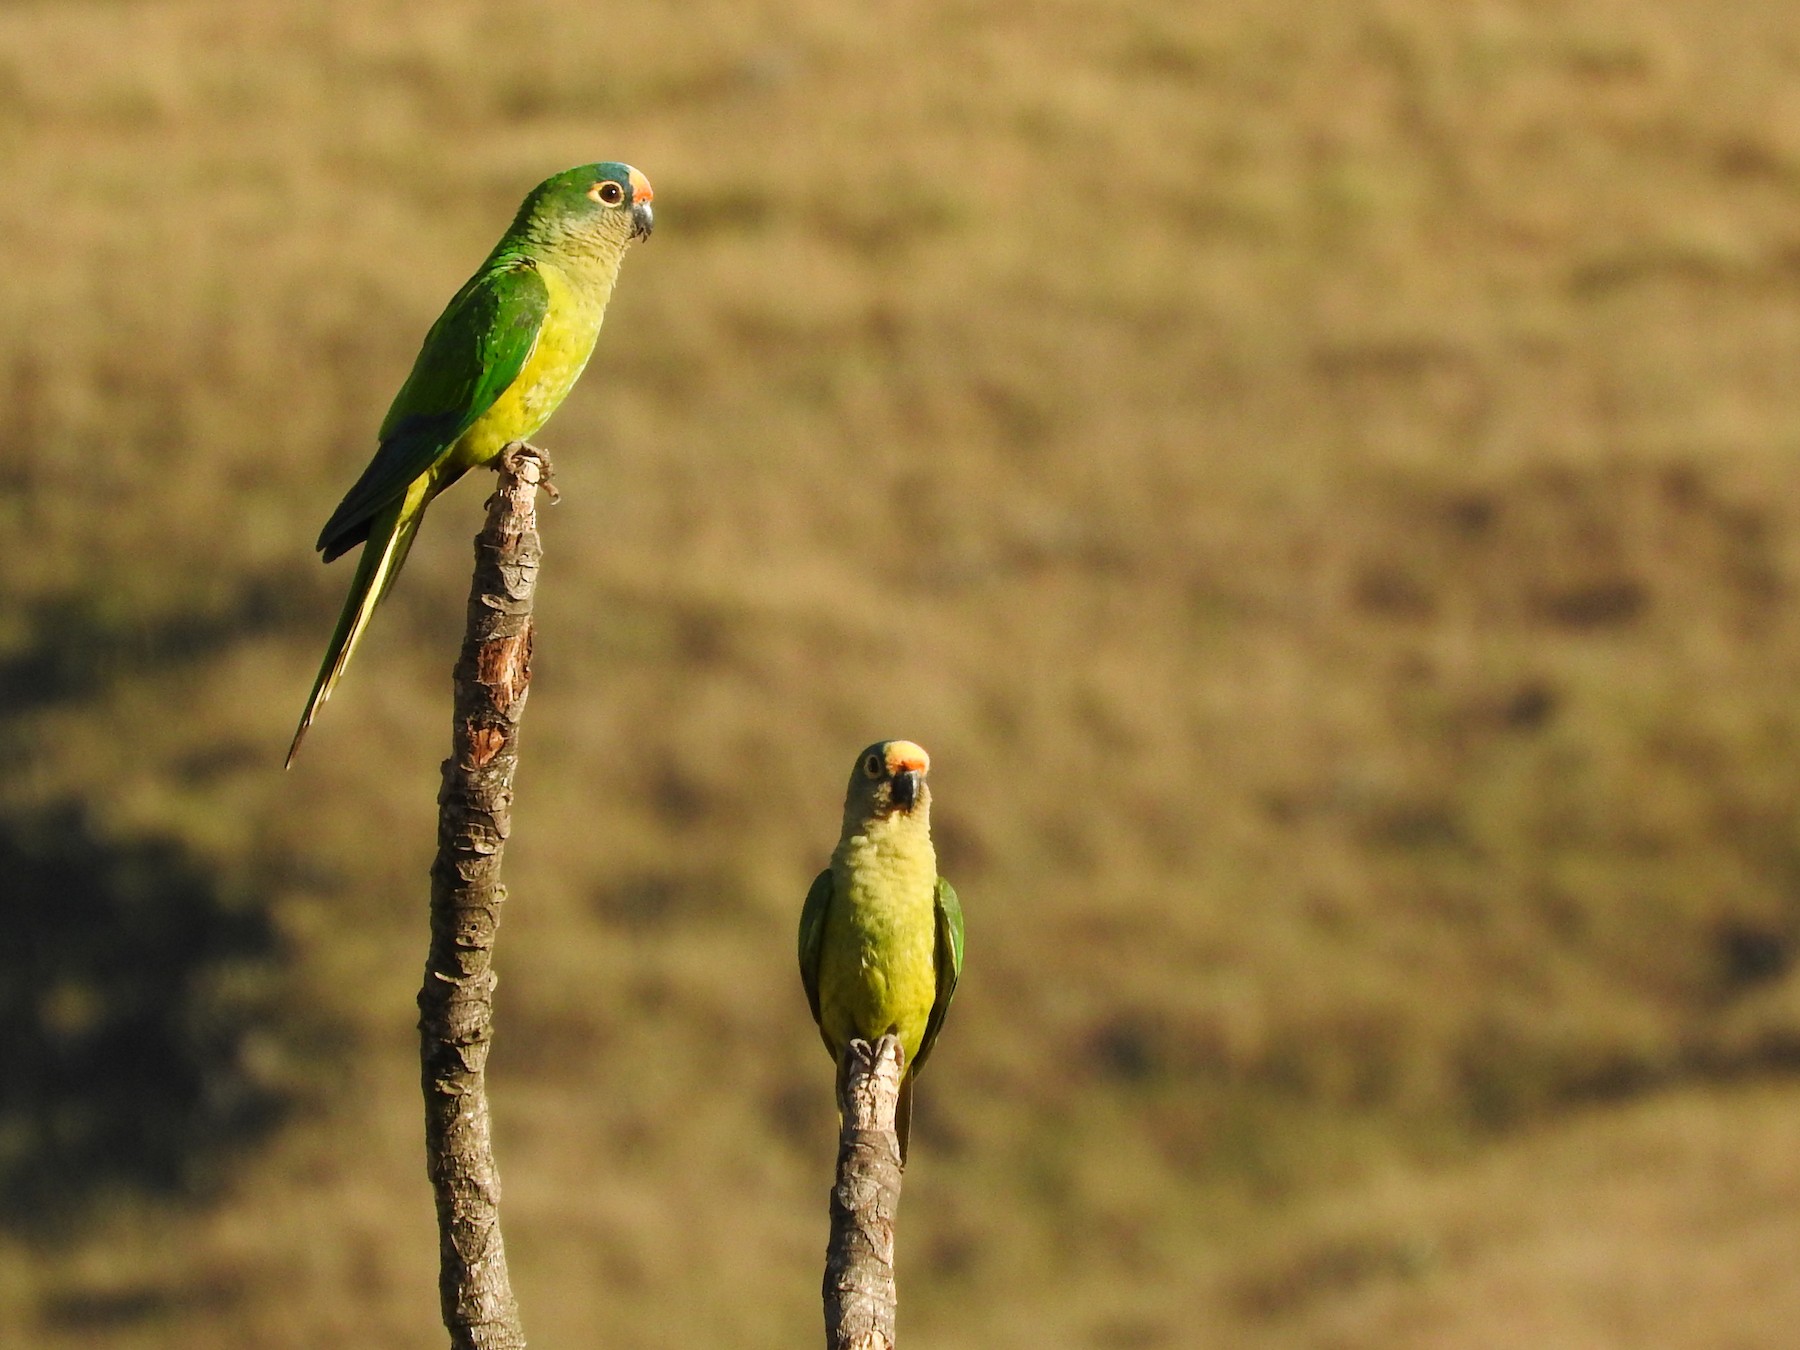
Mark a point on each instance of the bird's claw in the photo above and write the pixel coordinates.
(518, 451)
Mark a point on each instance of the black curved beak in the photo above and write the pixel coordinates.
(643, 220)
(906, 789)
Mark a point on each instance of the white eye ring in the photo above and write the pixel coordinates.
(609, 193)
(872, 766)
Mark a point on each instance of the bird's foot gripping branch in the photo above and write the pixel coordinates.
(859, 1287)
(521, 459)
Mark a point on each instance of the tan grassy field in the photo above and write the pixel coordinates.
(1321, 480)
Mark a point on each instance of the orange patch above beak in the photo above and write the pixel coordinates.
(905, 757)
(640, 187)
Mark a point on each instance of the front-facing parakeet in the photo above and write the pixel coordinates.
(881, 934)
(495, 365)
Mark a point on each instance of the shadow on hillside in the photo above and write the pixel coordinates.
(75, 644)
(137, 1000)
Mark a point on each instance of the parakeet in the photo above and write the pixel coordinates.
(881, 933)
(495, 365)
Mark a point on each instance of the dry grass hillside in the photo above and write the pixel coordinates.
(1321, 480)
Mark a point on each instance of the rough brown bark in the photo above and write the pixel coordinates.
(859, 1259)
(456, 1003)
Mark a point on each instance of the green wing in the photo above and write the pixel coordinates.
(949, 966)
(470, 357)
(812, 937)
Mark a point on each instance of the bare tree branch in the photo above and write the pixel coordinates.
(456, 1003)
(859, 1259)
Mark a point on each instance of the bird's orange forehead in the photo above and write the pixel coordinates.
(906, 757)
(640, 187)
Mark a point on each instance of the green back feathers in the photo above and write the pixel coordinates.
(948, 910)
(470, 357)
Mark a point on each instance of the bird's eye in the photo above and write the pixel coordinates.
(609, 192)
(872, 766)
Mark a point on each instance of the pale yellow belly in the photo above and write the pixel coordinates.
(878, 970)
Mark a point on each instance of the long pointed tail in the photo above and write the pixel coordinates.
(390, 538)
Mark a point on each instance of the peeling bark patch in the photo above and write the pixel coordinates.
(484, 744)
(504, 667)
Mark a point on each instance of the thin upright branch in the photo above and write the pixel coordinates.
(456, 1003)
(859, 1259)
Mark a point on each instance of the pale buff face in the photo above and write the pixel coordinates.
(889, 779)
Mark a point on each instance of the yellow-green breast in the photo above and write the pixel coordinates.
(877, 960)
(564, 344)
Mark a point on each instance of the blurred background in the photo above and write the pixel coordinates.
(1321, 480)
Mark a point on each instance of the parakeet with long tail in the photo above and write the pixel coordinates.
(881, 933)
(496, 364)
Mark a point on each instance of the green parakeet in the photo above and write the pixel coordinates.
(495, 365)
(881, 934)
